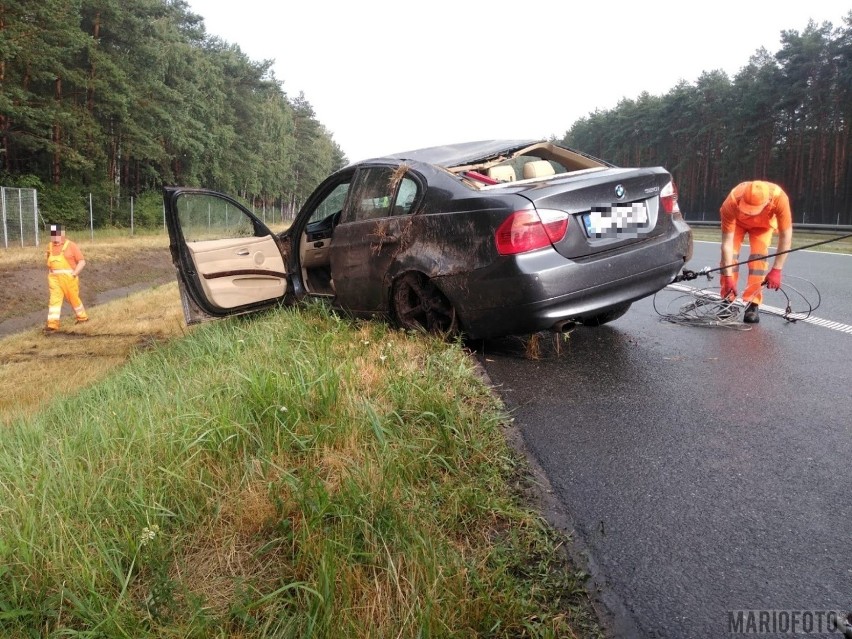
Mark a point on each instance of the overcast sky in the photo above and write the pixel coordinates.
(386, 76)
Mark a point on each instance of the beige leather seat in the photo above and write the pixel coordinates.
(503, 173)
(539, 168)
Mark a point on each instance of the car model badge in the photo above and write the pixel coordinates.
(619, 191)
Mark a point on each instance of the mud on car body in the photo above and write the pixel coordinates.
(485, 238)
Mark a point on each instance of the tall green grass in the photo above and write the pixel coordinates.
(291, 475)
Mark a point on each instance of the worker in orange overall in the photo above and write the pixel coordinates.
(756, 208)
(64, 263)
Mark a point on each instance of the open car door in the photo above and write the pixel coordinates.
(228, 262)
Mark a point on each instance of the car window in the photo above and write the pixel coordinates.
(373, 193)
(405, 197)
(331, 204)
(206, 217)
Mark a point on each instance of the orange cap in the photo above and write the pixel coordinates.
(755, 197)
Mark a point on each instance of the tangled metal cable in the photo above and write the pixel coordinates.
(706, 308)
(792, 315)
(701, 307)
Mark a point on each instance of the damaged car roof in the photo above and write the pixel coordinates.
(457, 154)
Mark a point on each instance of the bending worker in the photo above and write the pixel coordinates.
(758, 208)
(64, 263)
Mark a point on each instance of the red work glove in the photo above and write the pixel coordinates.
(729, 287)
(773, 280)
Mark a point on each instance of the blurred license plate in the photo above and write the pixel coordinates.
(619, 220)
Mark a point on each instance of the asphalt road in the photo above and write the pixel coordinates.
(704, 470)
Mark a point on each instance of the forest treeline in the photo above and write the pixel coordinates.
(785, 117)
(118, 97)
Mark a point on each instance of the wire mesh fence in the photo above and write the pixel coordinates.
(23, 223)
(147, 212)
(20, 217)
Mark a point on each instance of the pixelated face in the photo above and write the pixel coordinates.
(57, 234)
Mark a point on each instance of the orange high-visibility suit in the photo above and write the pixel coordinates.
(739, 217)
(62, 283)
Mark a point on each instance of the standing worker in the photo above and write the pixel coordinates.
(64, 263)
(758, 208)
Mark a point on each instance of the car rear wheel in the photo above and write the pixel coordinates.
(608, 316)
(420, 305)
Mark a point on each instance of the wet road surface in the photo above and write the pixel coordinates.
(705, 470)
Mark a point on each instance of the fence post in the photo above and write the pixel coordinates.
(21, 216)
(5, 230)
(35, 214)
(131, 216)
(91, 219)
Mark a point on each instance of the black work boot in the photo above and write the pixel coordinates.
(752, 314)
(726, 310)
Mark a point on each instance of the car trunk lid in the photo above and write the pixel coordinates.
(608, 209)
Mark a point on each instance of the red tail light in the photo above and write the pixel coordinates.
(529, 230)
(668, 198)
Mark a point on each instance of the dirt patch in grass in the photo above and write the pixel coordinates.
(111, 271)
(114, 269)
(86, 352)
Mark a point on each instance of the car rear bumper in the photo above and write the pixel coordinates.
(542, 290)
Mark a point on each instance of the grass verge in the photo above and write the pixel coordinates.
(800, 238)
(290, 475)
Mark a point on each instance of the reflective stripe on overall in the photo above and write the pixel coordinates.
(62, 285)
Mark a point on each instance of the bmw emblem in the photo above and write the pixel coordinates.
(619, 191)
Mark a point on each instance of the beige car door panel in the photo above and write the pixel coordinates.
(315, 253)
(238, 271)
